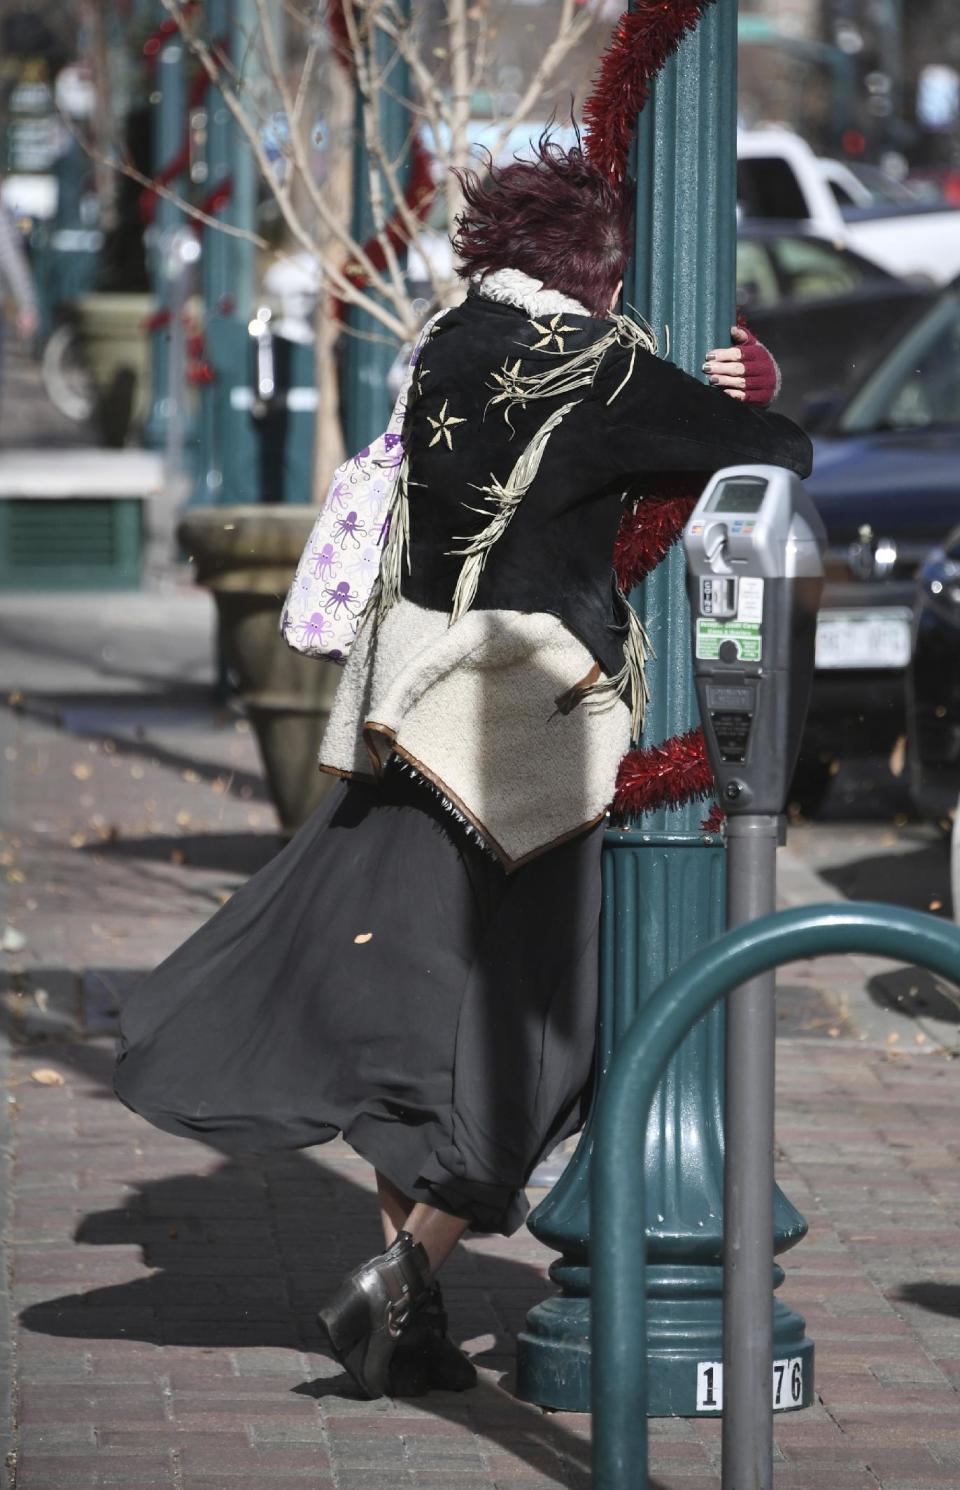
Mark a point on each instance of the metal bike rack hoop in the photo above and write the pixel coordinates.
(619, 1386)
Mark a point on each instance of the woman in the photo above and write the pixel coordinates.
(418, 969)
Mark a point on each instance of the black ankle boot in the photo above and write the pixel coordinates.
(426, 1359)
(373, 1308)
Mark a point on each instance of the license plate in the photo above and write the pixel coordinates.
(863, 638)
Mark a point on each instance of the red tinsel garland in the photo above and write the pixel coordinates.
(166, 29)
(643, 40)
(714, 820)
(339, 35)
(664, 775)
(198, 373)
(179, 163)
(156, 322)
(219, 196)
(651, 526)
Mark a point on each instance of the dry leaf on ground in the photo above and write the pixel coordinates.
(46, 1076)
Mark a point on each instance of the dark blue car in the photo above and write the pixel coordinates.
(886, 480)
(933, 684)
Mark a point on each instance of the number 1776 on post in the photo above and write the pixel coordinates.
(787, 1385)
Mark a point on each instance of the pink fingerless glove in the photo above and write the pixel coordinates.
(761, 372)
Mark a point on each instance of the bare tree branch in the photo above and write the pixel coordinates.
(344, 287)
(393, 289)
(125, 167)
(573, 24)
(460, 91)
(369, 84)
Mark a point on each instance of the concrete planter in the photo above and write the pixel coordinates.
(116, 343)
(246, 556)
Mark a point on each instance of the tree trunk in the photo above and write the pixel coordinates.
(328, 448)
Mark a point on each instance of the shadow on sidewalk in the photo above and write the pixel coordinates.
(916, 993)
(933, 1298)
(243, 1256)
(918, 879)
(241, 854)
(89, 716)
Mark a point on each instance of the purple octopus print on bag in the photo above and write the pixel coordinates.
(339, 566)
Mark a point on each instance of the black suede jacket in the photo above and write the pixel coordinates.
(555, 552)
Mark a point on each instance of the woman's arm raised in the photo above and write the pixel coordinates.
(662, 419)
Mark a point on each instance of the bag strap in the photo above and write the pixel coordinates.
(400, 407)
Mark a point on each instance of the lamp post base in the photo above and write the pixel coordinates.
(684, 1349)
(647, 876)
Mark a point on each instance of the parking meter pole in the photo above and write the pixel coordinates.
(748, 1173)
(663, 879)
(754, 548)
(169, 122)
(368, 352)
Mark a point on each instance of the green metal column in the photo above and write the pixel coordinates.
(368, 352)
(243, 21)
(663, 880)
(215, 269)
(169, 124)
(230, 468)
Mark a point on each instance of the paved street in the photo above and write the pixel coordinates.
(160, 1317)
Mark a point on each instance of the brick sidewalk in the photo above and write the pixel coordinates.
(166, 1300)
(164, 1297)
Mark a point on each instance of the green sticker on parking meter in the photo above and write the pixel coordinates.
(745, 636)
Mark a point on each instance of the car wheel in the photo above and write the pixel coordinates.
(65, 375)
(810, 784)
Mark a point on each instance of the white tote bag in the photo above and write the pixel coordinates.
(339, 566)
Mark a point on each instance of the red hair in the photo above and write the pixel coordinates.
(557, 218)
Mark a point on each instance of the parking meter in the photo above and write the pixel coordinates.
(754, 546)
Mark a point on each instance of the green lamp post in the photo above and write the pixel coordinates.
(215, 277)
(368, 353)
(169, 105)
(663, 879)
(228, 465)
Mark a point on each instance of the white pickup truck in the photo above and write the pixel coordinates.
(779, 177)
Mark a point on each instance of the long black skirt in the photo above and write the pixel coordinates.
(383, 978)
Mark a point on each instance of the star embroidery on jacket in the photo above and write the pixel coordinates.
(443, 425)
(507, 380)
(553, 331)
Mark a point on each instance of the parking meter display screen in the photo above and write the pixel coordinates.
(739, 496)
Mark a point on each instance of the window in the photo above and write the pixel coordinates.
(840, 194)
(814, 271)
(767, 187)
(918, 385)
(756, 280)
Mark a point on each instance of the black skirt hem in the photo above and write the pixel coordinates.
(455, 1197)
